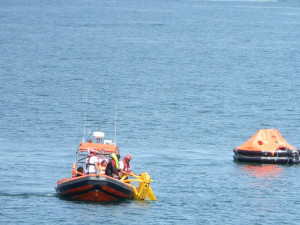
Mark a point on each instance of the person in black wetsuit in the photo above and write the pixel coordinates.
(112, 168)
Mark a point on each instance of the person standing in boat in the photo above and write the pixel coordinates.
(92, 163)
(125, 166)
(112, 168)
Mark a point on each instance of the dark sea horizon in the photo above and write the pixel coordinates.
(191, 79)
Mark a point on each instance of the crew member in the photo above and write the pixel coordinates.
(125, 166)
(79, 171)
(112, 168)
(92, 163)
(103, 166)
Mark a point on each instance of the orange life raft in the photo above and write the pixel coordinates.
(267, 146)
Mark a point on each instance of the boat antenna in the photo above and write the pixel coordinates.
(116, 124)
(85, 116)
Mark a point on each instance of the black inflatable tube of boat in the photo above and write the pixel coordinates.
(277, 153)
(262, 159)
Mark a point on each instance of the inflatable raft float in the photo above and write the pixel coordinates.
(267, 146)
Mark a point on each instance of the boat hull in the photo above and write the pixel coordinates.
(267, 159)
(94, 188)
(280, 156)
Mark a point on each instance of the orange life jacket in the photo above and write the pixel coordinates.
(102, 169)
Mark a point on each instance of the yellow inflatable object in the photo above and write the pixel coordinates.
(113, 155)
(144, 191)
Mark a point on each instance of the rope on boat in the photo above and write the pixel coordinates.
(298, 154)
(277, 156)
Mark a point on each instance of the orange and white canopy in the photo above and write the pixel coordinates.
(266, 140)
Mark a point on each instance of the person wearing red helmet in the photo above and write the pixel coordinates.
(125, 166)
(92, 163)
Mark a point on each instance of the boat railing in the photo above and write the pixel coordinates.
(83, 155)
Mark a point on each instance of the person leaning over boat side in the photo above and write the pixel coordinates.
(112, 168)
(125, 166)
(92, 163)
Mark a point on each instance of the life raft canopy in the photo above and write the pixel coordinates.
(266, 140)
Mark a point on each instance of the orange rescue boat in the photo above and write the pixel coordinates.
(99, 187)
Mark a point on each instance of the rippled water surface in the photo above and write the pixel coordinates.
(192, 80)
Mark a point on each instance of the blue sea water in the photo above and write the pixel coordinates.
(191, 80)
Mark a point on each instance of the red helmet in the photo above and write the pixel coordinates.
(128, 157)
(93, 152)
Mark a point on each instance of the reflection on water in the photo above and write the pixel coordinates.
(145, 204)
(263, 171)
